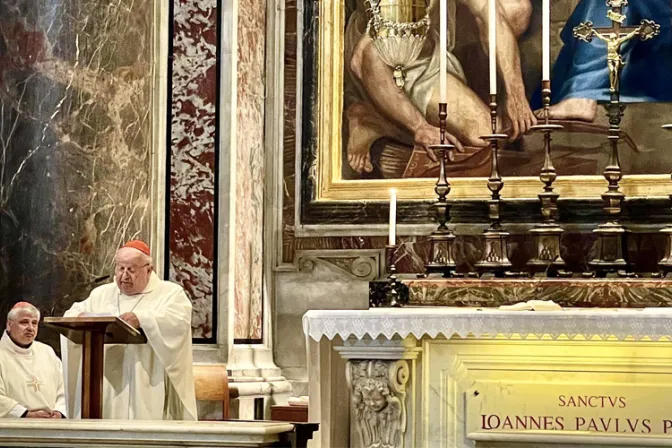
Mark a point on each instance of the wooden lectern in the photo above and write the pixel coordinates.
(93, 333)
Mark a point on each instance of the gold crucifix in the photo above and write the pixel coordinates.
(615, 36)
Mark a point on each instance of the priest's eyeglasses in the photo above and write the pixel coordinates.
(121, 270)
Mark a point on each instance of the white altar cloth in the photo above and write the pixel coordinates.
(654, 323)
(107, 433)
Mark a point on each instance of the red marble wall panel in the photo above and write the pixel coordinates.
(192, 232)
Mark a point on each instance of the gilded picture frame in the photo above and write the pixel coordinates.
(326, 171)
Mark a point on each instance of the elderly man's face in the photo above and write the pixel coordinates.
(23, 328)
(132, 271)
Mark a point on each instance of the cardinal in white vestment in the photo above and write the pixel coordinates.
(152, 381)
(31, 375)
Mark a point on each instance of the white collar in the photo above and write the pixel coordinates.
(12, 347)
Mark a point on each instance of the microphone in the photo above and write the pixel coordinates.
(79, 288)
(86, 285)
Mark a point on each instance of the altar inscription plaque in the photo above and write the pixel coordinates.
(609, 408)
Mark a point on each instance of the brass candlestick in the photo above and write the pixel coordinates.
(495, 258)
(442, 239)
(611, 234)
(547, 259)
(393, 295)
(665, 265)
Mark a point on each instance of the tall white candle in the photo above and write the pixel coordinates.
(443, 45)
(492, 40)
(393, 217)
(546, 39)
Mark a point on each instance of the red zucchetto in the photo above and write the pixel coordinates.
(138, 245)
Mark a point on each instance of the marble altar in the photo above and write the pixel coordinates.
(431, 377)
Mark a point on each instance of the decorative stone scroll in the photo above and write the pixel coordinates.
(378, 393)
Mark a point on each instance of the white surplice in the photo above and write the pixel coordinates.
(31, 379)
(152, 381)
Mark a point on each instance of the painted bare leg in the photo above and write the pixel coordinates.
(389, 102)
(518, 14)
(365, 126)
(468, 117)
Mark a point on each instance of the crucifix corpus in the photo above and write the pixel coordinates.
(615, 36)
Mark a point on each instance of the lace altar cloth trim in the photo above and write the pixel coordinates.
(653, 323)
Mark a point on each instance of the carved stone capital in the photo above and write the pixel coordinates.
(378, 401)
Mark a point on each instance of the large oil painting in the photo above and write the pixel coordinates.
(375, 131)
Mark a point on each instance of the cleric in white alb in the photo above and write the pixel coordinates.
(152, 381)
(31, 376)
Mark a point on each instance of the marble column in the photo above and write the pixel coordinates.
(250, 171)
(78, 125)
(217, 187)
(244, 301)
